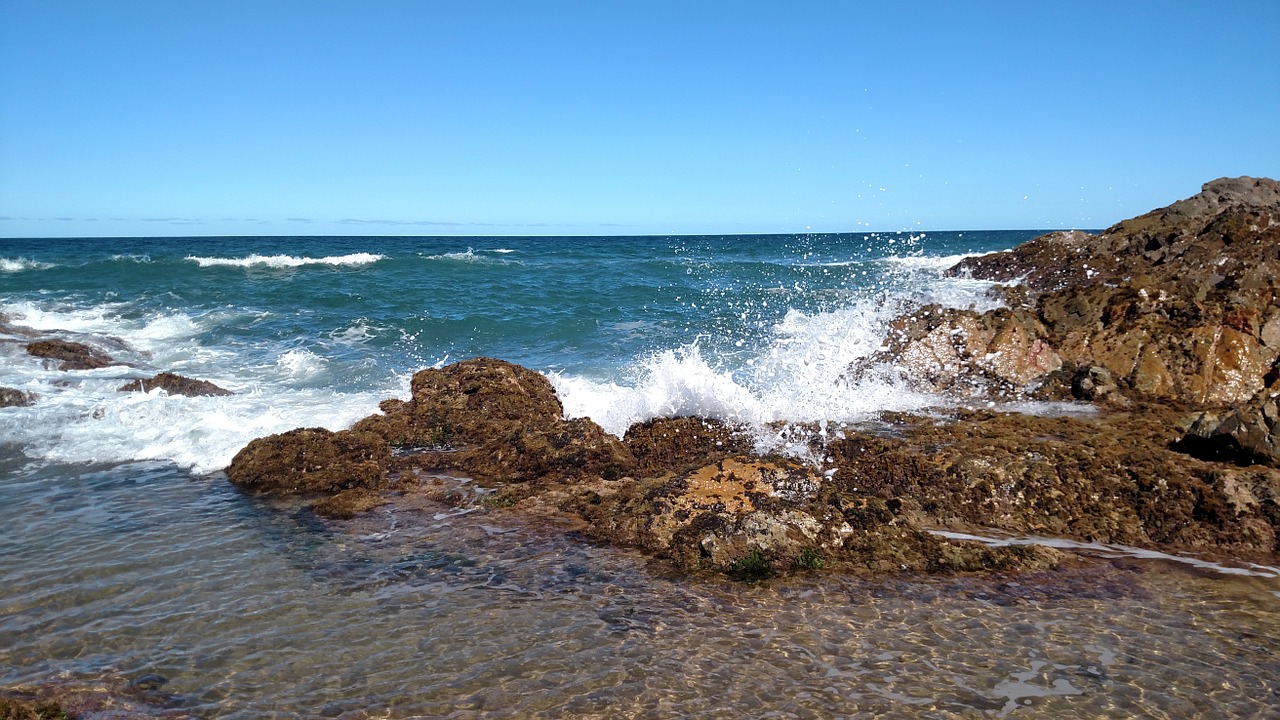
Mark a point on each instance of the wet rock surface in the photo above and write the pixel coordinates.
(12, 397)
(72, 355)
(174, 384)
(1167, 325)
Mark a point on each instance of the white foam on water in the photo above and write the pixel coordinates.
(19, 264)
(800, 372)
(800, 375)
(82, 417)
(287, 261)
(92, 422)
(471, 255)
(301, 364)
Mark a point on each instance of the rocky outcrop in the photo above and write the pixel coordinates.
(1180, 304)
(496, 421)
(12, 397)
(175, 385)
(73, 355)
(667, 445)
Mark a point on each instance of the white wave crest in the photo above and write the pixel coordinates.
(287, 261)
(800, 375)
(20, 264)
(471, 255)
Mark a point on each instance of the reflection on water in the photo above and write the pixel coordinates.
(256, 611)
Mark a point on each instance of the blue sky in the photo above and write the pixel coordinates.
(592, 117)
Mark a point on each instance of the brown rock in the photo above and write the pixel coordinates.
(74, 356)
(1111, 478)
(11, 397)
(311, 460)
(174, 385)
(494, 421)
(1179, 305)
(667, 445)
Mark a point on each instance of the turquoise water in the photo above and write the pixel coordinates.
(127, 553)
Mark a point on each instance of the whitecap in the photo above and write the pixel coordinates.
(21, 264)
(287, 261)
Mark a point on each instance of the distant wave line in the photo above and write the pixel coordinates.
(287, 261)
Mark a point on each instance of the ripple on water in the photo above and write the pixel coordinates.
(260, 610)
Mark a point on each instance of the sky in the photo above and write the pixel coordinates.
(139, 118)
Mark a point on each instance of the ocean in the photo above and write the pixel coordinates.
(127, 553)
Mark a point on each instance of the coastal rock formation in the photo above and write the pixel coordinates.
(753, 517)
(951, 350)
(174, 384)
(1168, 323)
(73, 355)
(1179, 304)
(665, 445)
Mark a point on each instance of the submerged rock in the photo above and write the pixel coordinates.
(174, 385)
(74, 355)
(12, 397)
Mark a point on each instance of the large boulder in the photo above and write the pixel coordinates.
(311, 460)
(495, 421)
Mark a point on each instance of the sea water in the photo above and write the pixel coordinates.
(126, 552)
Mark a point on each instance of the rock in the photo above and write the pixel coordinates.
(1110, 478)
(348, 503)
(74, 356)
(667, 445)
(736, 511)
(1000, 353)
(494, 421)
(1177, 305)
(311, 460)
(174, 385)
(11, 397)
(1246, 435)
(752, 518)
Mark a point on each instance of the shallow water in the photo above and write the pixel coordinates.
(253, 610)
